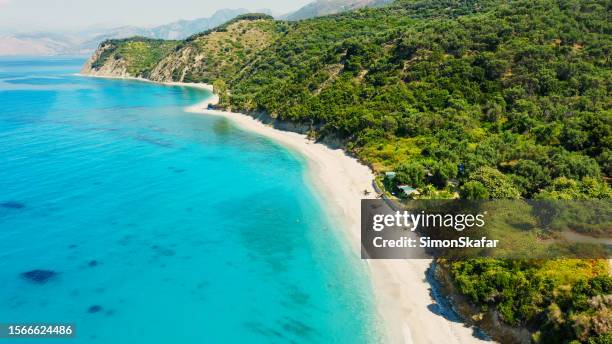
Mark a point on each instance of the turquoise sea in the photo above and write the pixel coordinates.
(154, 225)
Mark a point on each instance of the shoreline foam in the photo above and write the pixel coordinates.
(402, 294)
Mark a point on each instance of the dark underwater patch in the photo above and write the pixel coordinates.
(39, 276)
(261, 329)
(297, 327)
(163, 251)
(176, 170)
(299, 298)
(12, 205)
(94, 309)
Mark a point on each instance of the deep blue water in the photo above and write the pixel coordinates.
(162, 226)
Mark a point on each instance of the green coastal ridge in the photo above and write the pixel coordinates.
(472, 99)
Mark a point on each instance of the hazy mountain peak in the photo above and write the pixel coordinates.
(326, 7)
(85, 42)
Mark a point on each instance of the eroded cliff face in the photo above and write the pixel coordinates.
(111, 67)
(175, 66)
(131, 57)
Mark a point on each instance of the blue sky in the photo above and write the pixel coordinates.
(35, 15)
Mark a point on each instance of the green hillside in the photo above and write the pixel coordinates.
(140, 54)
(218, 52)
(506, 99)
(520, 88)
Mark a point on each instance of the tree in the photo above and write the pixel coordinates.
(570, 189)
(442, 172)
(534, 177)
(389, 123)
(219, 87)
(411, 173)
(497, 184)
(573, 165)
(474, 190)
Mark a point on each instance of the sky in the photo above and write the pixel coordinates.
(62, 15)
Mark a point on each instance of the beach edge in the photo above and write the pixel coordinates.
(402, 295)
(401, 291)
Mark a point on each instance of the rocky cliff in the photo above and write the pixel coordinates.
(203, 57)
(111, 68)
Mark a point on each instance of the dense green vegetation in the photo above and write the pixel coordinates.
(520, 87)
(219, 52)
(559, 300)
(140, 54)
(225, 26)
(477, 99)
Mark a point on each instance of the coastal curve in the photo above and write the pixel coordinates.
(403, 296)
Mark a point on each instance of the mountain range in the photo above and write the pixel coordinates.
(85, 42)
(326, 7)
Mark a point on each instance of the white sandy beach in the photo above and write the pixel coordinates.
(401, 291)
(402, 294)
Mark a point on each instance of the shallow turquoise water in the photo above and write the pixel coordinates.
(180, 227)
